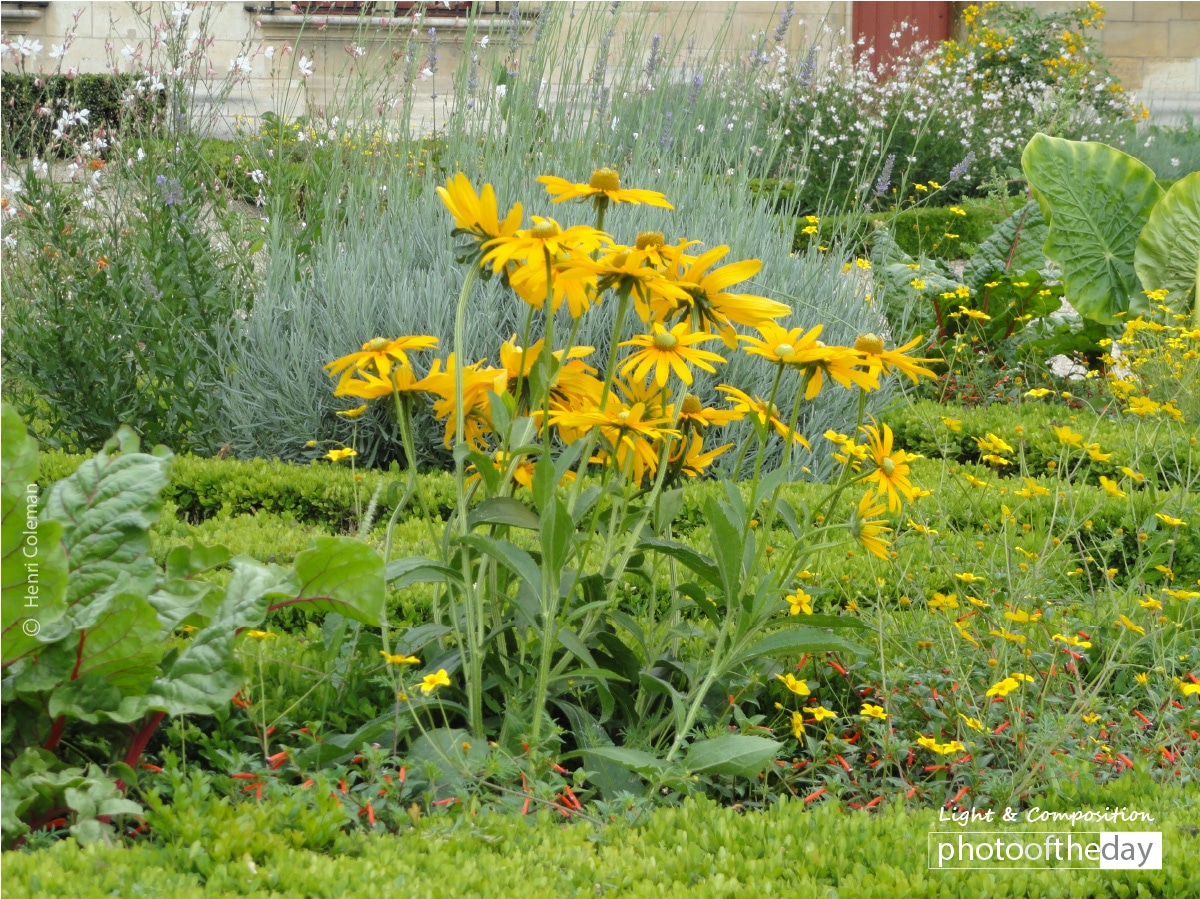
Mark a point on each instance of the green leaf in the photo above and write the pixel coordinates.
(693, 560)
(727, 546)
(511, 557)
(418, 570)
(343, 575)
(106, 509)
(795, 640)
(1016, 245)
(34, 566)
(204, 677)
(1168, 249)
(639, 762)
(503, 510)
(737, 754)
(1096, 200)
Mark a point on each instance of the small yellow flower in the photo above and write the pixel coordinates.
(337, 455)
(1111, 488)
(431, 682)
(1129, 625)
(969, 578)
(973, 723)
(399, 659)
(1143, 678)
(940, 602)
(820, 713)
(873, 711)
(1090, 718)
(800, 602)
(261, 635)
(354, 413)
(799, 687)
(917, 284)
(1152, 604)
(1072, 641)
(1190, 689)
(797, 725)
(941, 748)
(954, 424)
(1003, 687)
(1067, 437)
(1170, 521)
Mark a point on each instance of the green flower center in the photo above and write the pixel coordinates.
(605, 179)
(665, 340)
(649, 239)
(375, 345)
(691, 405)
(623, 417)
(544, 230)
(869, 343)
(888, 466)
(785, 349)
(620, 259)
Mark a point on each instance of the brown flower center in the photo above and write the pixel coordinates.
(691, 405)
(647, 240)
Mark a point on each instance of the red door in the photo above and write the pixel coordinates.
(877, 22)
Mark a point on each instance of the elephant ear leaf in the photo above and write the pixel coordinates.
(1016, 245)
(1168, 249)
(34, 565)
(1096, 201)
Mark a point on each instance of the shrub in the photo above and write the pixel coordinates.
(26, 131)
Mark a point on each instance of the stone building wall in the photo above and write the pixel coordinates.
(1154, 46)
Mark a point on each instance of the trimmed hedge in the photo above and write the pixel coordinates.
(24, 133)
(698, 849)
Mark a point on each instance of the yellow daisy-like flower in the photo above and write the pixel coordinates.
(890, 476)
(954, 424)
(1031, 489)
(1129, 625)
(799, 687)
(873, 711)
(797, 725)
(1169, 520)
(261, 635)
(337, 455)
(941, 602)
(1090, 718)
(1067, 437)
(390, 659)
(544, 238)
(698, 416)
(666, 351)
(780, 345)
(431, 682)
(968, 577)
(761, 411)
(1111, 488)
(941, 748)
(820, 713)
(694, 461)
(353, 413)
(605, 185)
(1136, 477)
(973, 723)
(1038, 392)
(710, 305)
(878, 359)
(1190, 689)
(867, 529)
(379, 355)
(974, 481)
(475, 215)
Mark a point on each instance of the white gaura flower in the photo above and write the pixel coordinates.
(242, 65)
(22, 46)
(57, 51)
(305, 66)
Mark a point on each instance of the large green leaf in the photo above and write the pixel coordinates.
(106, 509)
(34, 565)
(1168, 249)
(204, 677)
(343, 575)
(1016, 245)
(116, 655)
(738, 754)
(1096, 200)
